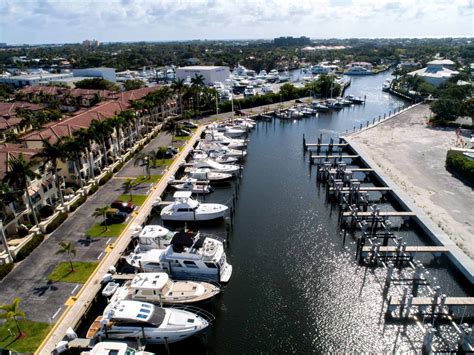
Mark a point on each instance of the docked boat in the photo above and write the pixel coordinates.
(225, 95)
(250, 91)
(126, 319)
(319, 106)
(267, 89)
(294, 112)
(219, 137)
(221, 168)
(221, 159)
(386, 85)
(272, 76)
(114, 348)
(189, 256)
(158, 288)
(186, 209)
(152, 236)
(262, 75)
(192, 186)
(354, 100)
(284, 77)
(334, 104)
(206, 174)
(220, 149)
(358, 70)
(307, 111)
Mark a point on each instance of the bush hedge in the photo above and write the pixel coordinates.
(76, 204)
(55, 223)
(106, 178)
(29, 247)
(118, 167)
(5, 269)
(460, 165)
(93, 189)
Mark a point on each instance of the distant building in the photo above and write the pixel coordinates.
(409, 65)
(3, 45)
(292, 41)
(91, 43)
(101, 72)
(211, 74)
(33, 79)
(436, 72)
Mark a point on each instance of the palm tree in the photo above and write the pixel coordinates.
(52, 153)
(118, 122)
(144, 159)
(73, 149)
(101, 131)
(102, 212)
(84, 138)
(178, 88)
(7, 196)
(197, 82)
(170, 127)
(12, 311)
(20, 173)
(128, 185)
(67, 248)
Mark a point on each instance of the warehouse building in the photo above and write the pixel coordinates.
(211, 74)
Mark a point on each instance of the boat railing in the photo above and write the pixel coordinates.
(199, 279)
(208, 316)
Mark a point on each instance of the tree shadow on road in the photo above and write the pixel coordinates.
(40, 291)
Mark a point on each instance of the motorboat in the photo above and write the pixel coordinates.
(220, 149)
(262, 75)
(212, 136)
(284, 77)
(186, 209)
(219, 158)
(294, 112)
(334, 104)
(189, 256)
(267, 89)
(319, 106)
(193, 186)
(206, 174)
(225, 95)
(115, 348)
(215, 166)
(358, 70)
(229, 131)
(354, 100)
(152, 236)
(272, 76)
(386, 85)
(159, 288)
(320, 69)
(127, 319)
(243, 123)
(307, 111)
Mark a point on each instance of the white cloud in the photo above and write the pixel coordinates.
(43, 21)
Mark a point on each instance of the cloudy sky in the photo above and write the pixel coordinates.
(60, 21)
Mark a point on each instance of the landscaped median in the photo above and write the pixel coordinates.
(32, 333)
(79, 274)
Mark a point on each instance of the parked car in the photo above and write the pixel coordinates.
(189, 124)
(182, 132)
(115, 216)
(126, 207)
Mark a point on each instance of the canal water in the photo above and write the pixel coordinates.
(296, 287)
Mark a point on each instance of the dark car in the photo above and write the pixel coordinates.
(126, 207)
(182, 132)
(115, 216)
(189, 124)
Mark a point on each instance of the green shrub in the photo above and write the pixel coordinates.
(46, 211)
(93, 190)
(118, 167)
(5, 269)
(29, 247)
(76, 204)
(55, 223)
(106, 178)
(460, 165)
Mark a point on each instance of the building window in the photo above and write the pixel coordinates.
(70, 167)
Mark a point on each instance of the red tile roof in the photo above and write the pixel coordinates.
(11, 151)
(8, 117)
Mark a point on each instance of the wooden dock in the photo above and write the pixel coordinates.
(380, 214)
(408, 249)
(352, 170)
(310, 145)
(396, 301)
(364, 188)
(334, 156)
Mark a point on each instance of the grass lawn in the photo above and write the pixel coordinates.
(144, 179)
(136, 199)
(164, 162)
(82, 271)
(34, 333)
(184, 138)
(113, 230)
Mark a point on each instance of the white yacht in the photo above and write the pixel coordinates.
(320, 69)
(262, 74)
(225, 95)
(220, 149)
(272, 75)
(219, 137)
(158, 288)
(114, 348)
(229, 131)
(386, 85)
(358, 70)
(284, 77)
(126, 319)
(318, 106)
(215, 166)
(189, 256)
(294, 112)
(186, 209)
(193, 186)
(153, 236)
(219, 158)
(267, 89)
(206, 174)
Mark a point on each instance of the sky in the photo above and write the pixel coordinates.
(71, 21)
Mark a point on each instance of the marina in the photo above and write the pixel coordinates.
(283, 235)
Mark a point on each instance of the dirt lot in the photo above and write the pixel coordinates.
(413, 156)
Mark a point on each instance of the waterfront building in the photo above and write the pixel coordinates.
(210, 73)
(33, 79)
(100, 72)
(436, 72)
(9, 118)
